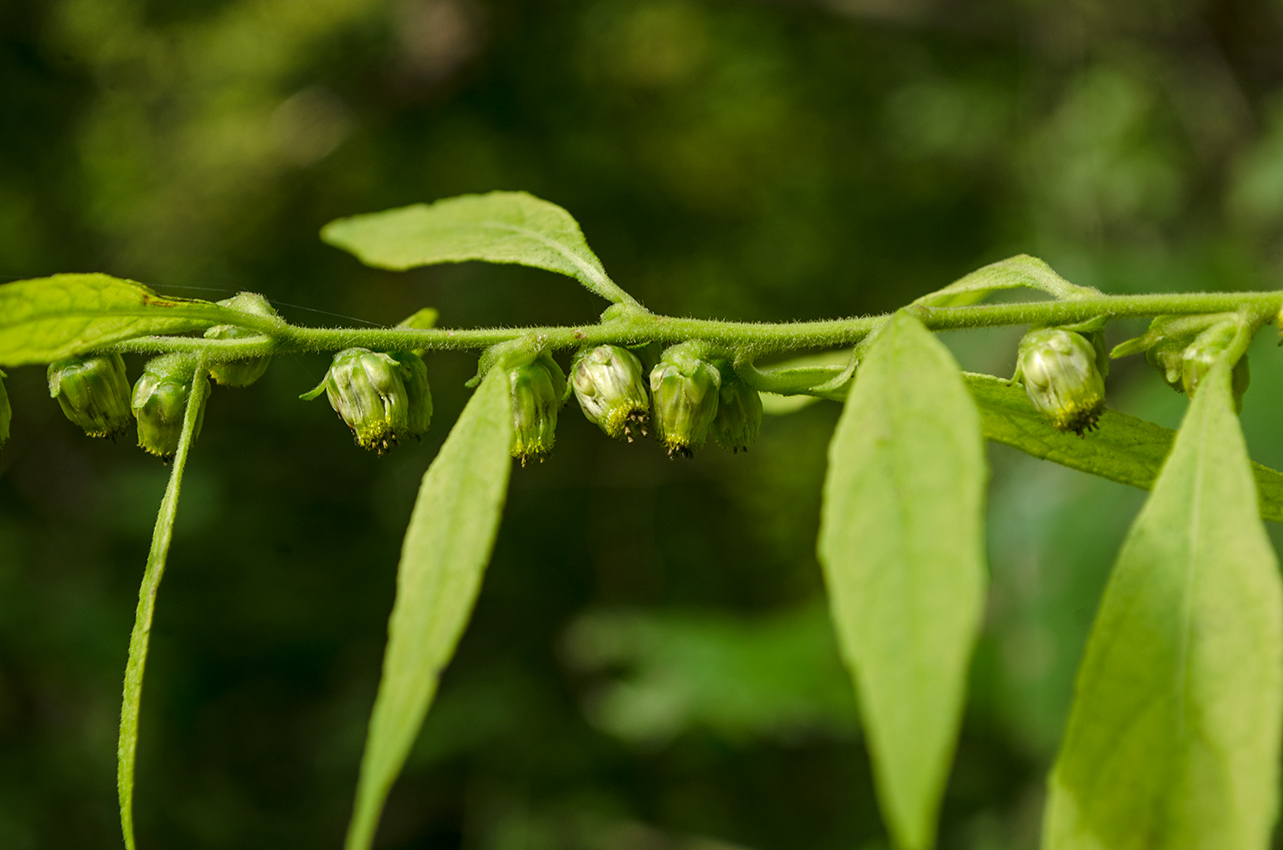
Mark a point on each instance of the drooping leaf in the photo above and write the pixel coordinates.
(1124, 448)
(50, 318)
(498, 227)
(902, 546)
(1173, 738)
(1020, 271)
(140, 638)
(443, 558)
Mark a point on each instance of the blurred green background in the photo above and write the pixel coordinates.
(649, 667)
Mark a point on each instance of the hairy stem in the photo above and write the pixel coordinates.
(744, 339)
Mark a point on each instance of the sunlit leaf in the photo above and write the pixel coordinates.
(902, 545)
(50, 318)
(1173, 739)
(498, 227)
(1020, 271)
(446, 549)
(139, 639)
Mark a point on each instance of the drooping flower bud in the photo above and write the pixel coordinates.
(537, 388)
(685, 390)
(414, 375)
(1168, 357)
(739, 412)
(611, 389)
(240, 373)
(365, 389)
(1199, 356)
(1061, 377)
(160, 401)
(1166, 340)
(93, 392)
(6, 412)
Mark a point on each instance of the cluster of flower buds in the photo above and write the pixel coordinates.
(1064, 376)
(240, 373)
(537, 388)
(159, 403)
(1183, 349)
(384, 397)
(609, 383)
(93, 392)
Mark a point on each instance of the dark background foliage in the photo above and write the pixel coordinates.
(649, 667)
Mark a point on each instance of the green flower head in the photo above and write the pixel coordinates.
(93, 392)
(739, 412)
(1062, 377)
(537, 388)
(159, 403)
(685, 391)
(366, 390)
(609, 383)
(418, 395)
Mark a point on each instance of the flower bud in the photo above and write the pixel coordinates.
(611, 389)
(160, 401)
(537, 388)
(1168, 357)
(685, 391)
(414, 375)
(1199, 355)
(240, 373)
(1062, 379)
(6, 413)
(93, 392)
(365, 389)
(739, 412)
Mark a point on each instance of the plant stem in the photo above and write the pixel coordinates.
(745, 339)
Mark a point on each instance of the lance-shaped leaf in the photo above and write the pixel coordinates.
(1173, 738)
(902, 546)
(140, 638)
(1123, 448)
(498, 227)
(50, 318)
(1020, 271)
(446, 549)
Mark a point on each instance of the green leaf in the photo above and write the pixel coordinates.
(447, 546)
(498, 227)
(50, 318)
(902, 546)
(1020, 271)
(1173, 738)
(127, 743)
(1125, 448)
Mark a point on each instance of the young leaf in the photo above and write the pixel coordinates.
(1173, 738)
(498, 227)
(1015, 272)
(902, 546)
(54, 317)
(127, 743)
(447, 546)
(1124, 448)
